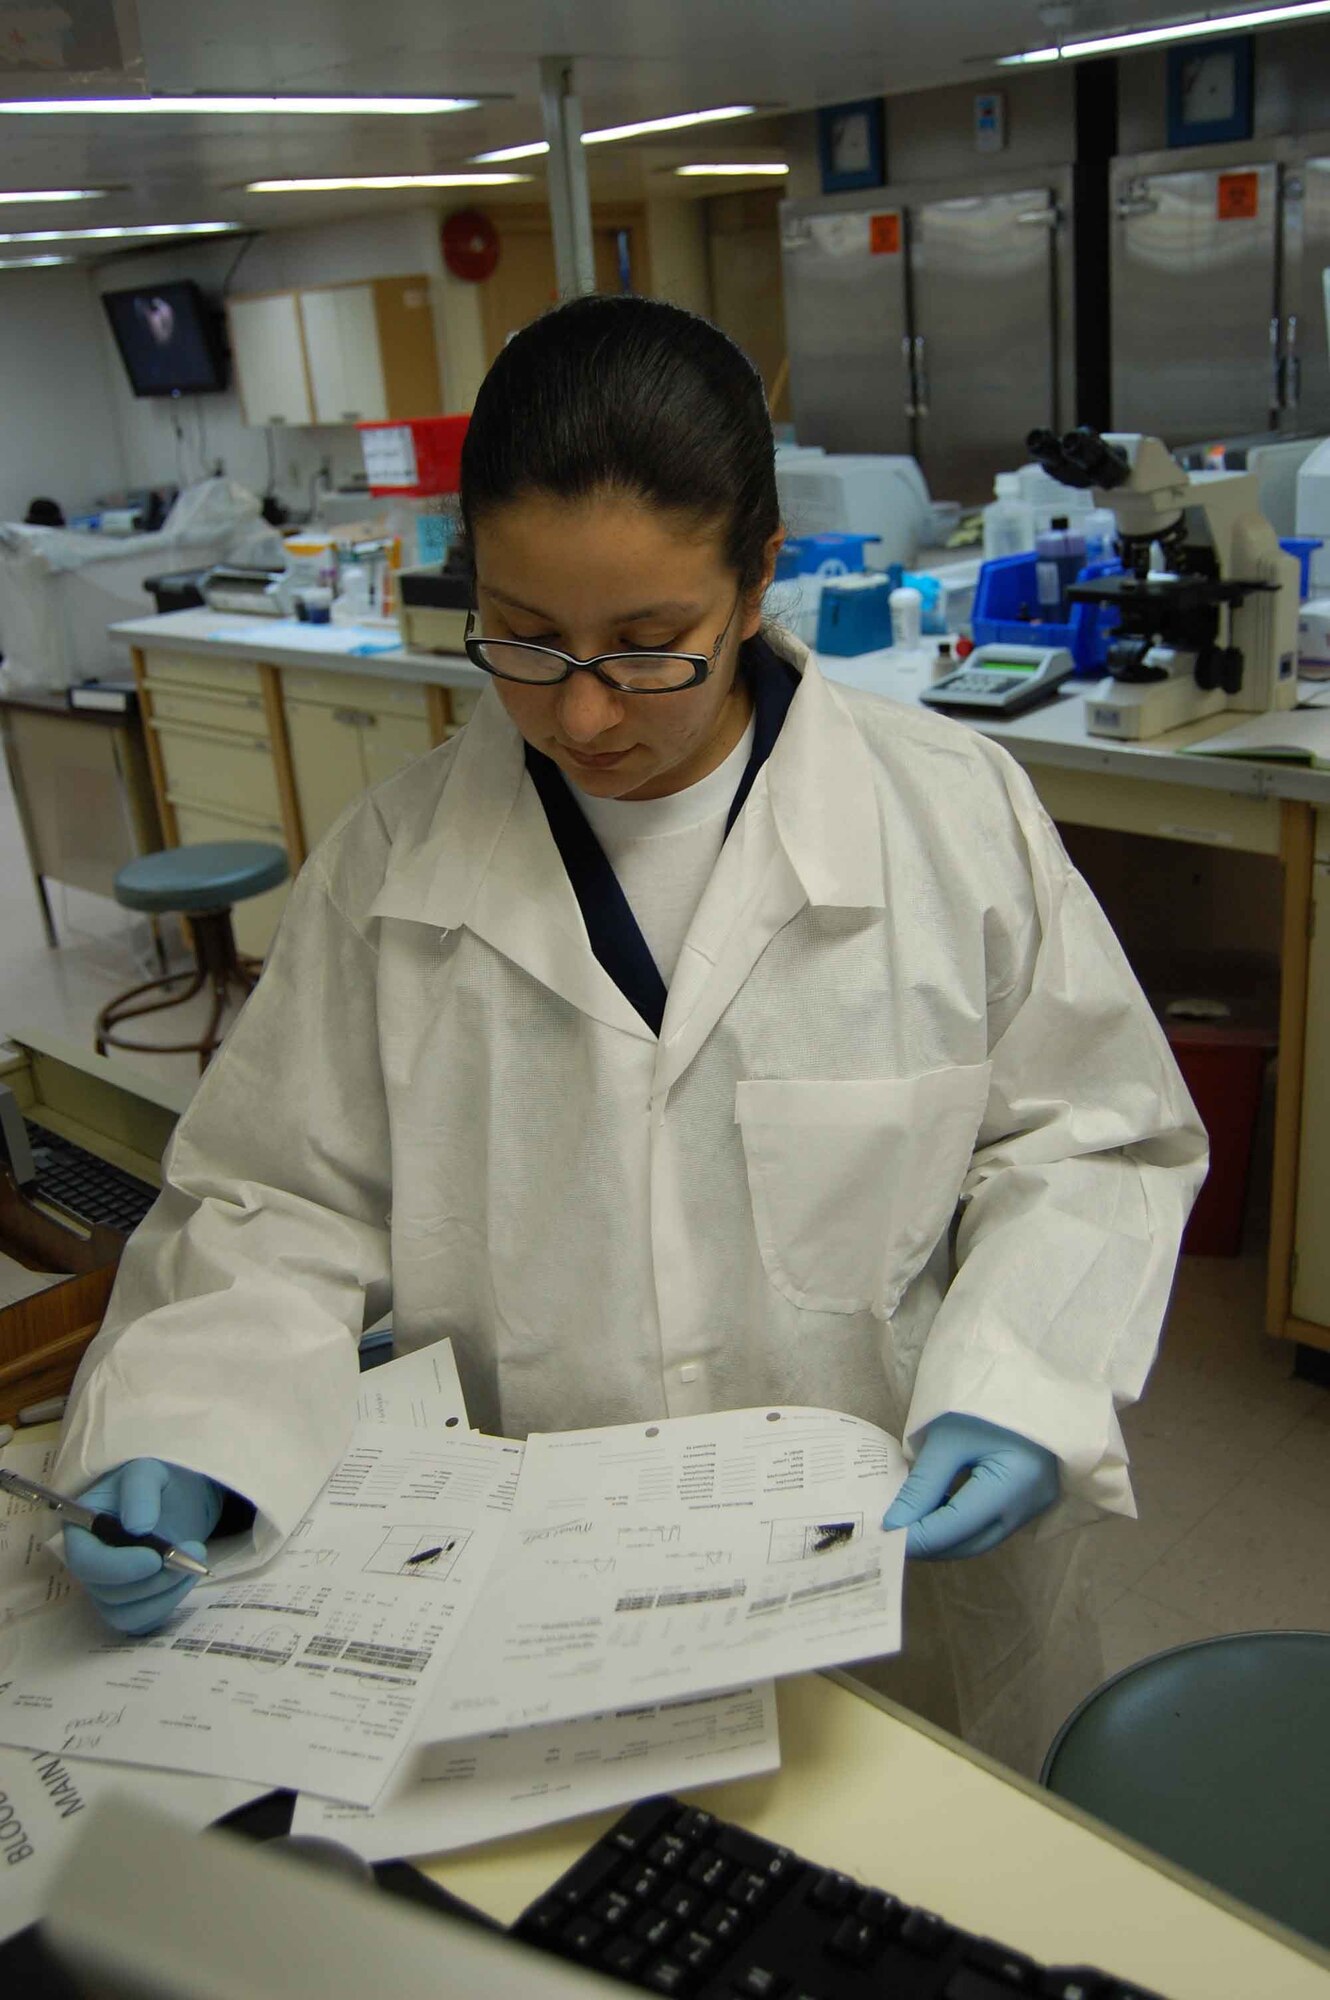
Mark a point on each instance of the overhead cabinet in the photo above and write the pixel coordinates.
(337, 354)
(933, 321)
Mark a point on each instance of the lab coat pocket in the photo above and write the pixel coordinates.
(852, 1184)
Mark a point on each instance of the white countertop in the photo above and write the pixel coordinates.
(1054, 734)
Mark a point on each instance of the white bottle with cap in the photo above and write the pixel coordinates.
(1008, 520)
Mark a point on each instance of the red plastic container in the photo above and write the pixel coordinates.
(414, 456)
(1224, 1069)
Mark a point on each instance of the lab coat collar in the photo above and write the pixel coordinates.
(823, 797)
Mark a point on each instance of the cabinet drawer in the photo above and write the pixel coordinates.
(367, 691)
(1167, 811)
(255, 920)
(189, 670)
(234, 772)
(208, 708)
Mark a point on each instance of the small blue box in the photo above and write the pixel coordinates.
(854, 617)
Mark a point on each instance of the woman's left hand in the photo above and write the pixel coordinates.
(1011, 1481)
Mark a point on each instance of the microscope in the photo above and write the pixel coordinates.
(1212, 624)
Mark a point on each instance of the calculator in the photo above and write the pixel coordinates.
(1002, 680)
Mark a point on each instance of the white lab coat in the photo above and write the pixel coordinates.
(910, 1141)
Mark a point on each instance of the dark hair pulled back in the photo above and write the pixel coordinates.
(626, 394)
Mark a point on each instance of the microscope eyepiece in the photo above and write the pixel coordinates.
(1103, 464)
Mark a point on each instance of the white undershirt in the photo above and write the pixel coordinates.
(663, 850)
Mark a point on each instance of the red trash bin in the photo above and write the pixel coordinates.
(1224, 1069)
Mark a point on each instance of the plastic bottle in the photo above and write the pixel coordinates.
(1008, 520)
(1100, 528)
(1061, 557)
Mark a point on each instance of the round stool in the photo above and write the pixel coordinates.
(201, 883)
(1217, 1755)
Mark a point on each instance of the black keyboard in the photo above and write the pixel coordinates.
(674, 1900)
(89, 1189)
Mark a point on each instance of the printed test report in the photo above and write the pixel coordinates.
(421, 1389)
(457, 1794)
(687, 1556)
(310, 1673)
(32, 1579)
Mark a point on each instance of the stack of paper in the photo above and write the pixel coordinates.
(464, 1637)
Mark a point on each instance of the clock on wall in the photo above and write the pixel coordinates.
(1210, 91)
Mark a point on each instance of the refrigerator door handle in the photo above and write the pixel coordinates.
(1276, 369)
(911, 394)
(920, 377)
(1292, 364)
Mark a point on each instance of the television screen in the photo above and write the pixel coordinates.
(167, 339)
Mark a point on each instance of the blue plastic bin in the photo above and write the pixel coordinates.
(855, 620)
(1009, 585)
(822, 555)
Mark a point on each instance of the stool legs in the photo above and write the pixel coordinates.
(217, 965)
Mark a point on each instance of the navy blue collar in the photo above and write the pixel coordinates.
(612, 929)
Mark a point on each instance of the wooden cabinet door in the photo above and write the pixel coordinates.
(327, 762)
(391, 741)
(270, 360)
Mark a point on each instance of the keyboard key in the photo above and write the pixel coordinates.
(760, 1983)
(668, 1852)
(1071, 1983)
(877, 1907)
(831, 1891)
(712, 1871)
(722, 1921)
(667, 1976)
(642, 1824)
(748, 1849)
(694, 1948)
(623, 1955)
(655, 1927)
(967, 1984)
(925, 1933)
(546, 1916)
(683, 1902)
(642, 1882)
(855, 1941)
(749, 1889)
(1013, 1966)
(694, 1824)
(612, 1908)
(590, 1874)
(582, 1934)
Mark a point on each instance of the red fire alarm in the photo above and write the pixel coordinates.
(470, 245)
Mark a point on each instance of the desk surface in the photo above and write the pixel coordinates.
(901, 1806)
(1053, 734)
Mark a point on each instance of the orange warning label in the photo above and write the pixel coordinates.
(1239, 197)
(884, 235)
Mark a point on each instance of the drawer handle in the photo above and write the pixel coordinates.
(350, 416)
(355, 718)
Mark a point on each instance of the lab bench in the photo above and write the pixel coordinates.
(256, 728)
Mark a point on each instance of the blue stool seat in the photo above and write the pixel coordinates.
(211, 875)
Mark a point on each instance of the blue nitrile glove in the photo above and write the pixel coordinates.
(130, 1587)
(1011, 1480)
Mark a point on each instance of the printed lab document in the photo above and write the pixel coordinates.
(310, 1673)
(421, 1389)
(32, 1577)
(42, 1797)
(648, 1561)
(457, 1794)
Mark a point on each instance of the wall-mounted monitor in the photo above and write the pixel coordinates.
(169, 339)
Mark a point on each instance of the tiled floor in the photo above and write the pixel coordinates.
(1231, 1456)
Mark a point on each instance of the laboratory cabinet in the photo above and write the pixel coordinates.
(1217, 314)
(243, 750)
(1311, 1264)
(934, 320)
(337, 354)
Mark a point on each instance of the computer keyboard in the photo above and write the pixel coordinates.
(674, 1900)
(88, 1188)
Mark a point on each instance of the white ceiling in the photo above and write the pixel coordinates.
(633, 59)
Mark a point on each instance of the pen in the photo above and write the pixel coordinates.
(104, 1526)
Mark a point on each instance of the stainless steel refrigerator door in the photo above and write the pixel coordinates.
(982, 271)
(846, 328)
(1194, 301)
(1306, 376)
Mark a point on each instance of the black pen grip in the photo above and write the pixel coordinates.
(117, 1536)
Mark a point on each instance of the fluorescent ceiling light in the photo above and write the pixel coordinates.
(381, 181)
(738, 167)
(1180, 31)
(235, 107)
(27, 263)
(643, 129)
(20, 195)
(118, 230)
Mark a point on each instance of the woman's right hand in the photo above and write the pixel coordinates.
(130, 1587)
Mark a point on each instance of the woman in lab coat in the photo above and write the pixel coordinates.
(687, 1033)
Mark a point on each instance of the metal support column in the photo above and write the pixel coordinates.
(570, 207)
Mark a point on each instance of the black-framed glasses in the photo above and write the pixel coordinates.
(640, 672)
